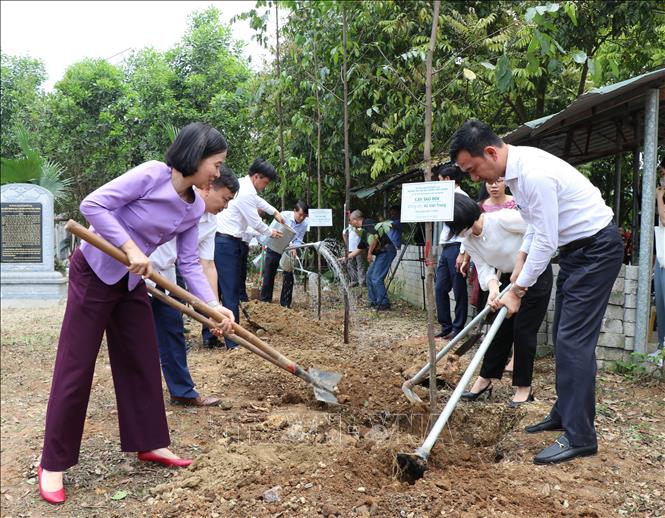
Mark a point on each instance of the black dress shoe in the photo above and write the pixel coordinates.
(546, 425)
(212, 343)
(441, 334)
(562, 451)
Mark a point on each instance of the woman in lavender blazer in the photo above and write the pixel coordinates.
(138, 211)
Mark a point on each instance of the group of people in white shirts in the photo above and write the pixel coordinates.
(554, 207)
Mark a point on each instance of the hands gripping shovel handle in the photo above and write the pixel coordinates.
(323, 382)
(412, 466)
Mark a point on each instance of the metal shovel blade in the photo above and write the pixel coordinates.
(411, 467)
(407, 388)
(326, 379)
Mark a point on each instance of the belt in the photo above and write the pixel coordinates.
(580, 243)
(447, 245)
(219, 234)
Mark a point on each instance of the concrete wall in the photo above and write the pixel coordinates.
(617, 335)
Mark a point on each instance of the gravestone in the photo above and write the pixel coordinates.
(27, 274)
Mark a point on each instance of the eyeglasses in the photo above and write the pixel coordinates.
(498, 181)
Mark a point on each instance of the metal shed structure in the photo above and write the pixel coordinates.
(609, 121)
(627, 116)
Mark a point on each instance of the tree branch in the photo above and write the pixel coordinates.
(400, 78)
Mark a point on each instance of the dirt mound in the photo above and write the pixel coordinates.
(273, 450)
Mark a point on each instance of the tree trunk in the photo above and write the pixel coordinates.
(429, 285)
(318, 181)
(347, 168)
(279, 110)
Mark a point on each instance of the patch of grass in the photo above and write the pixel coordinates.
(640, 366)
(643, 433)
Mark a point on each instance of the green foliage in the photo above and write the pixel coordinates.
(504, 62)
(640, 366)
(20, 79)
(33, 168)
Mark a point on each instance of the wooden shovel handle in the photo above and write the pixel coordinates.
(207, 322)
(200, 306)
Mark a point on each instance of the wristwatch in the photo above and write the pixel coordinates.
(519, 291)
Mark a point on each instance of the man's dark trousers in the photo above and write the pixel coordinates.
(583, 286)
(269, 273)
(172, 350)
(228, 254)
(244, 254)
(447, 278)
(376, 275)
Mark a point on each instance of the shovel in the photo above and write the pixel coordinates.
(323, 382)
(407, 386)
(412, 466)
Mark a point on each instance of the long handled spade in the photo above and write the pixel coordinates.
(412, 466)
(323, 382)
(407, 386)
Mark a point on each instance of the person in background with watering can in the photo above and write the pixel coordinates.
(374, 237)
(562, 209)
(264, 209)
(298, 222)
(241, 215)
(168, 320)
(355, 267)
(138, 211)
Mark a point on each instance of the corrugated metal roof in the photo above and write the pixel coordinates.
(599, 123)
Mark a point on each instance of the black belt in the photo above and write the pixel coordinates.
(446, 245)
(219, 234)
(580, 243)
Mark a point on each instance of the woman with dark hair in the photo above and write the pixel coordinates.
(492, 197)
(138, 211)
(493, 239)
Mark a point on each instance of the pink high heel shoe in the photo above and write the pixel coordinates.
(148, 456)
(52, 497)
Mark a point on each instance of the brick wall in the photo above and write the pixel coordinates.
(617, 335)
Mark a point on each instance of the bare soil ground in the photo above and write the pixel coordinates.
(327, 461)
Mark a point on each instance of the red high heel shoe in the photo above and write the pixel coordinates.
(148, 456)
(52, 497)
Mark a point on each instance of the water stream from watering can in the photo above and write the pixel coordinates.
(330, 250)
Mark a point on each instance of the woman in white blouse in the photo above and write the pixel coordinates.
(493, 240)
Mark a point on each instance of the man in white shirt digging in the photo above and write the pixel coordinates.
(563, 210)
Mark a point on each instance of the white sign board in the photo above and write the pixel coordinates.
(320, 217)
(428, 201)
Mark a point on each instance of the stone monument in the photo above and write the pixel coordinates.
(27, 275)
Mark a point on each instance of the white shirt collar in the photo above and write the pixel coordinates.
(512, 169)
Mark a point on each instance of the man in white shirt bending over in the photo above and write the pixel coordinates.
(168, 321)
(241, 214)
(355, 266)
(562, 209)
